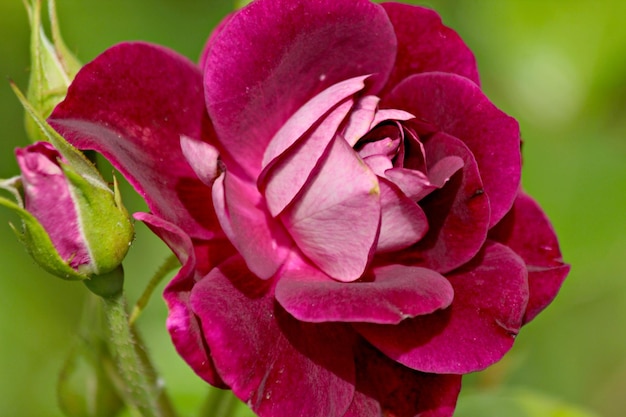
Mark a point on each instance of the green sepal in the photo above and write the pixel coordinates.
(53, 66)
(38, 244)
(83, 166)
(241, 3)
(108, 285)
(106, 226)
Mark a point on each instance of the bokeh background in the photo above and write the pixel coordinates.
(558, 67)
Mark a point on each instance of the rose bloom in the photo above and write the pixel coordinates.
(343, 198)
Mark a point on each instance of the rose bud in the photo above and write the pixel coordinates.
(53, 66)
(73, 228)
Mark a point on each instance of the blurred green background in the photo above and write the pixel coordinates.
(558, 67)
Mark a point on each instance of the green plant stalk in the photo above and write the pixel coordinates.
(133, 367)
(219, 403)
(168, 265)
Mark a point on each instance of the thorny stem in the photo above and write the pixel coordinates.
(133, 365)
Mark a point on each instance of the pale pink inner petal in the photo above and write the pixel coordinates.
(309, 114)
(285, 176)
(335, 220)
(202, 157)
(361, 119)
(259, 238)
(439, 174)
(391, 114)
(417, 185)
(403, 222)
(378, 164)
(386, 146)
(414, 184)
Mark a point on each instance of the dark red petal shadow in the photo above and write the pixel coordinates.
(386, 388)
(527, 231)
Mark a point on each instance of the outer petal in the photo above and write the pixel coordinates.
(456, 106)
(274, 55)
(426, 45)
(335, 220)
(132, 104)
(458, 213)
(181, 322)
(388, 294)
(279, 366)
(490, 296)
(527, 231)
(386, 388)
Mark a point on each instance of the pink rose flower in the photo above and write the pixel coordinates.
(344, 200)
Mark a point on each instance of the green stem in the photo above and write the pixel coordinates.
(134, 370)
(168, 265)
(219, 403)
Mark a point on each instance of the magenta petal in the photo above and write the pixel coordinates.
(490, 297)
(258, 237)
(275, 55)
(386, 388)
(288, 173)
(132, 104)
(527, 231)
(458, 213)
(403, 222)
(458, 107)
(182, 324)
(387, 294)
(279, 366)
(335, 220)
(426, 45)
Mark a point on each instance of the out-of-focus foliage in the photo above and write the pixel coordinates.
(559, 67)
